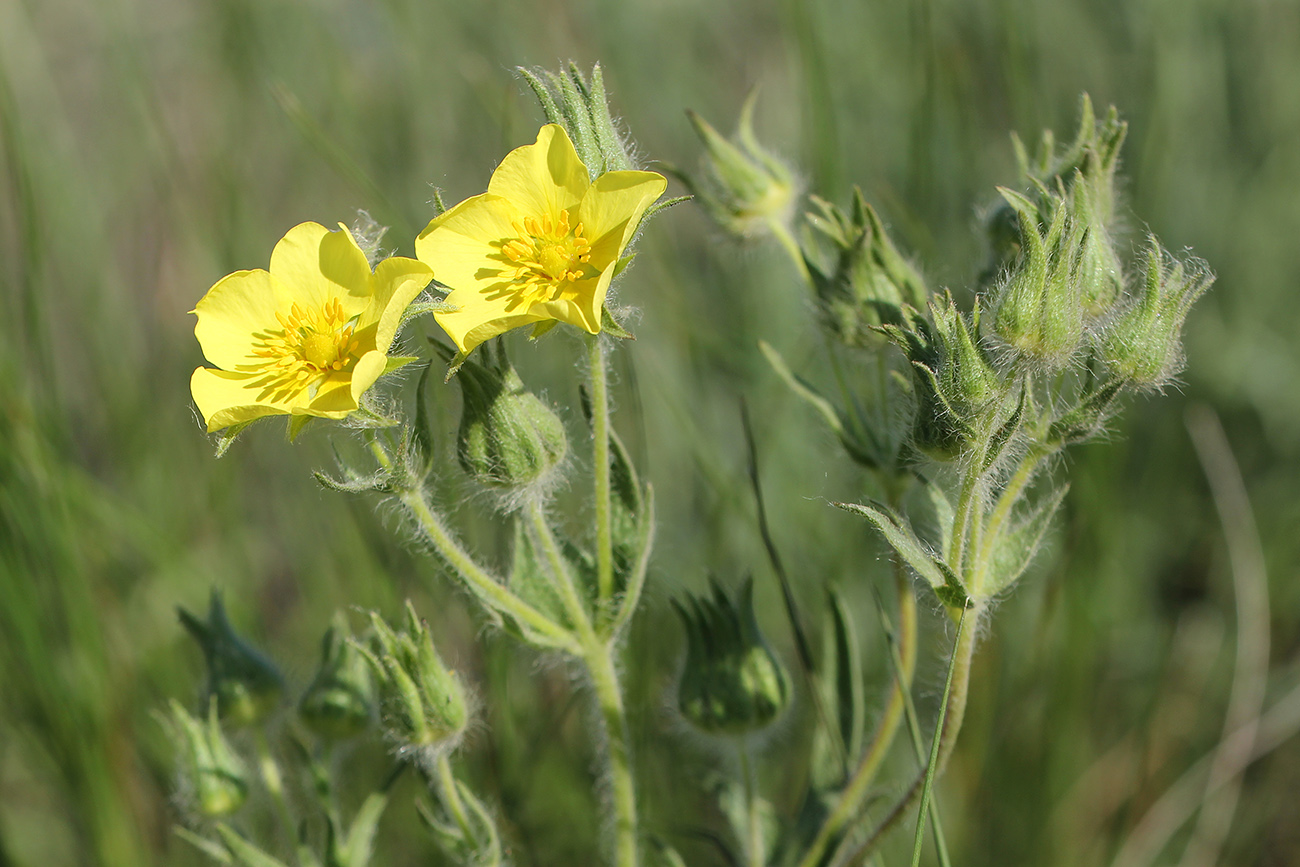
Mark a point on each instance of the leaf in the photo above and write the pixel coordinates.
(358, 846)
(203, 844)
(900, 537)
(244, 852)
(841, 681)
(1015, 548)
(529, 577)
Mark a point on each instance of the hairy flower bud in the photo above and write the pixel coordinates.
(339, 702)
(246, 685)
(214, 777)
(732, 682)
(743, 187)
(1143, 343)
(423, 704)
(868, 281)
(508, 437)
(1039, 309)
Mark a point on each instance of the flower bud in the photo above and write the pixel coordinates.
(422, 703)
(246, 685)
(1039, 311)
(732, 682)
(744, 188)
(213, 775)
(508, 437)
(341, 697)
(579, 104)
(1143, 344)
(952, 380)
(868, 280)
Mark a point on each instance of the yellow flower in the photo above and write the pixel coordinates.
(540, 245)
(306, 338)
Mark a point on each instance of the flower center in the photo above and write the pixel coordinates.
(547, 255)
(310, 345)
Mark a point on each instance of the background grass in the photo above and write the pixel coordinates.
(147, 148)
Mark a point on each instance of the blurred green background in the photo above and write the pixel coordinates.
(148, 147)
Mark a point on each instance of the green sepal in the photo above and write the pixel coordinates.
(1004, 435)
(296, 425)
(397, 362)
(422, 432)
(542, 327)
(225, 437)
(611, 326)
(416, 309)
(621, 265)
(1083, 421)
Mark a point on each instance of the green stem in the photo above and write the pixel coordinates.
(754, 830)
(1002, 512)
(966, 505)
(850, 799)
(933, 764)
(451, 795)
(563, 574)
(270, 771)
(477, 578)
(600, 457)
(791, 247)
(599, 657)
(955, 712)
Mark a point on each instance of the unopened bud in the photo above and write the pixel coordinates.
(339, 702)
(732, 682)
(744, 188)
(868, 280)
(1143, 344)
(423, 704)
(246, 685)
(215, 779)
(1039, 311)
(509, 438)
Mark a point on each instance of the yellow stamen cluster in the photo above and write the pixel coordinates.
(310, 345)
(548, 256)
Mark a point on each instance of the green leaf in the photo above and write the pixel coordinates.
(898, 533)
(530, 577)
(244, 852)
(358, 846)
(1015, 548)
(840, 680)
(203, 844)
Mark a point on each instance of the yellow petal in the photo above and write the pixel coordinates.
(542, 178)
(226, 398)
(238, 307)
(610, 214)
(397, 281)
(463, 246)
(368, 369)
(475, 320)
(319, 265)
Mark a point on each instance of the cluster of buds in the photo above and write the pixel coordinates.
(867, 281)
(423, 705)
(732, 683)
(214, 778)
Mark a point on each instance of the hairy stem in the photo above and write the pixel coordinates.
(850, 800)
(274, 782)
(599, 658)
(955, 711)
(478, 580)
(600, 457)
(563, 573)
